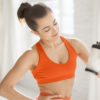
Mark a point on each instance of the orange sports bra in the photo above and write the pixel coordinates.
(48, 71)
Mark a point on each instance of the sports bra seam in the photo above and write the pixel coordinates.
(58, 78)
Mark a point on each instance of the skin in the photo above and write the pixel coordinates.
(52, 45)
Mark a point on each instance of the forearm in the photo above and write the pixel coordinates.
(12, 94)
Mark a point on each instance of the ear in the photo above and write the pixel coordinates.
(22, 20)
(34, 32)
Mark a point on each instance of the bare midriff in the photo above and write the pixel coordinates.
(63, 87)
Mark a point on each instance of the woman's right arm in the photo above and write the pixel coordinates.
(23, 64)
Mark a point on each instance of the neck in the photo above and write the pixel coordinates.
(51, 43)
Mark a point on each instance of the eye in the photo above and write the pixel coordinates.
(47, 30)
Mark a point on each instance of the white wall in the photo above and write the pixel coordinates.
(86, 30)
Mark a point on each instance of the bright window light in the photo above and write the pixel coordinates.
(64, 13)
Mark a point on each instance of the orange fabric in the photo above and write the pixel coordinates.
(48, 71)
(48, 94)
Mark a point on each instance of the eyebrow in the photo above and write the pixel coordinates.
(48, 26)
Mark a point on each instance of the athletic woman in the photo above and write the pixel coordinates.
(52, 60)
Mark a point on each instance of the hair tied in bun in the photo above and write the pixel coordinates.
(24, 7)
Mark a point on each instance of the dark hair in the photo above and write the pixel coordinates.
(30, 13)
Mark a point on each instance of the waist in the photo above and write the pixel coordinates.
(64, 92)
(62, 97)
(61, 87)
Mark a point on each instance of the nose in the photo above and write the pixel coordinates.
(54, 29)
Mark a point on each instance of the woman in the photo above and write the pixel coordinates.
(52, 60)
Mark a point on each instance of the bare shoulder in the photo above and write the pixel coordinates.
(34, 56)
(81, 49)
(76, 44)
(29, 55)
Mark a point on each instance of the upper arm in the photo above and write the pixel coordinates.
(81, 50)
(22, 65)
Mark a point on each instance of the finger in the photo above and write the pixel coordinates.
(56, 99)
(55, 96)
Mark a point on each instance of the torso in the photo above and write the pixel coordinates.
(63, 87)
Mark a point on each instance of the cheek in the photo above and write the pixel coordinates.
(57, 28)
(45, 35)
(48, 33)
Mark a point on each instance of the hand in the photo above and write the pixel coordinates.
(42, 97)
(98, 75)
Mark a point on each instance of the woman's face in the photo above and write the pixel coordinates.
(47, 27)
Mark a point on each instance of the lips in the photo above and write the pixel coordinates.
(55, 34)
